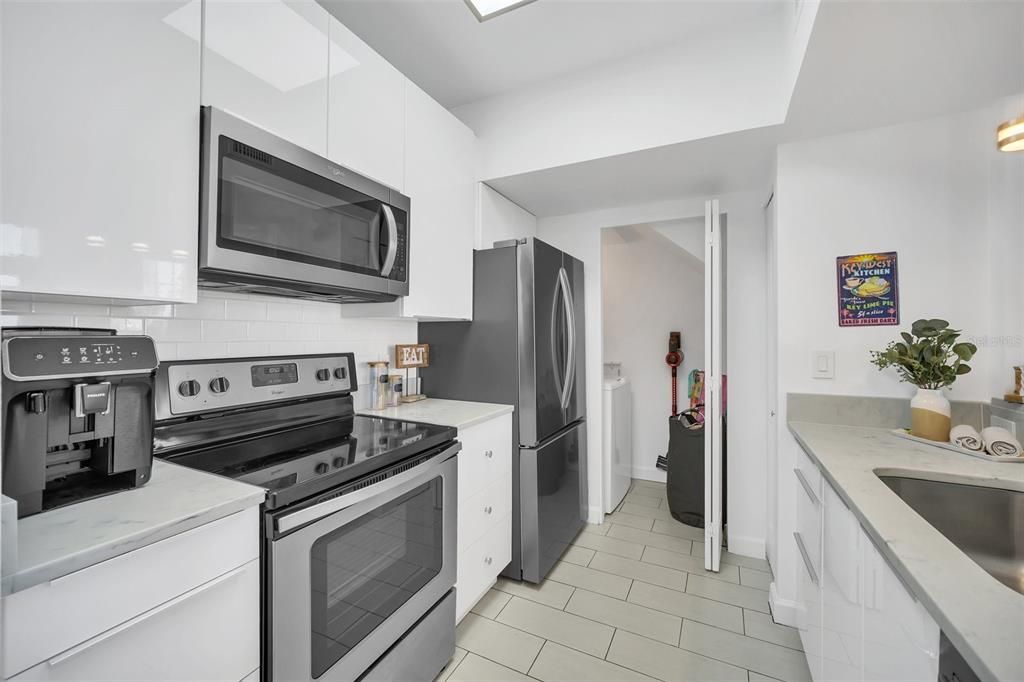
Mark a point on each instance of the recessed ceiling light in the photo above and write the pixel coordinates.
(488, 9)
(1010, 136)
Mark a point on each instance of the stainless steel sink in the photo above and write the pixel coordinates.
(987, 524)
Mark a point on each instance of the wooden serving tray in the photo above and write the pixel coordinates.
(903, 433)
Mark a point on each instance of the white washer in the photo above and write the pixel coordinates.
(617, 441)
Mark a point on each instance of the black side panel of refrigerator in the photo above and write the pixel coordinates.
(479, 360)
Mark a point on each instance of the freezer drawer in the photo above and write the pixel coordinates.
(552, 499)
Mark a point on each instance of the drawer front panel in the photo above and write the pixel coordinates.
(481, 563)
(47, 619)
(481, 511)
(210, 633)
(486, 455)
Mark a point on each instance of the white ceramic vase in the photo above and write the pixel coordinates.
(930, 415)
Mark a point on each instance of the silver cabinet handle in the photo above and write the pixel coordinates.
(389, 259)
(488, 509)
(488, 454)
(806, 557)
(807, 487)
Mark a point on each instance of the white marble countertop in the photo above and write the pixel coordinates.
(67, 539)
(983, 618)
(457, 413)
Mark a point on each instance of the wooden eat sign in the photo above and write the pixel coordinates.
(411, 356)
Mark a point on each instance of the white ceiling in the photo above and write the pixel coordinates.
(868, 64)
(707, 167)
(442, 47)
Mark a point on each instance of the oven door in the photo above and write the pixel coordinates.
(351, 575)
(276, 211)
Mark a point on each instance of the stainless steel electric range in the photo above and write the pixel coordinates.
(359, 523)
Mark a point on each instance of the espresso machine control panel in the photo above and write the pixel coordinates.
(31, 358)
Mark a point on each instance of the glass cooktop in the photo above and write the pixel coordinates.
(295, 464)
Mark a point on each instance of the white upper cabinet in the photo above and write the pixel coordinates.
(267, 62)
(366, 110)
(100, 149)
(440, 178)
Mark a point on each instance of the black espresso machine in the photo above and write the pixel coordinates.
(77, 414)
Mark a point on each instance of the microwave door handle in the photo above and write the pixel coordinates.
(375, 242)
(389, 259)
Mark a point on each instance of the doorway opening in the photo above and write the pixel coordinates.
(658, 279)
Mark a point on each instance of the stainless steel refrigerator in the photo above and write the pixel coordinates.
(525, 346)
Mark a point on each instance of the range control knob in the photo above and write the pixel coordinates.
(189, 388)
(219, 384)
(323, 468)
(323, 374)
(338, 462)
(340, 373)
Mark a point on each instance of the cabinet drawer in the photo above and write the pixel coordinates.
(810, 472)
(45, 620)
(486, 454)
(809, 612)
(483, 510)
(210, 633)
(480, 564)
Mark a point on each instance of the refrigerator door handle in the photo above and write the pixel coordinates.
(559, 385)
(570, 327)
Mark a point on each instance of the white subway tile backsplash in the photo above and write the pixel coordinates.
(246, 349)
(166, 351)
(203, 309)
(229, 325)
(225, 330)
(284, 312)
(268, 331)
(174, 330)
(201, 350)
(320, 312)
(239, 309)
(162, 310)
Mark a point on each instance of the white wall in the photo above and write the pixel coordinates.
(938, 194)
(229, 325)
(501, 219)
(710, 84)
(688, 234)
(650, 287)
(580, 235)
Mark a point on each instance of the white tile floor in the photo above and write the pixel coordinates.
(630, 600)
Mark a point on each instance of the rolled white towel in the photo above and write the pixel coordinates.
(1000, 442)
(966, 436)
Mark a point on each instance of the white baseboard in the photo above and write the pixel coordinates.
(649, 474)
(747, 546)
(784, 611)
(595, 514)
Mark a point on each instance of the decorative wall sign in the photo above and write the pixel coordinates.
(868, 290)
(412, 355)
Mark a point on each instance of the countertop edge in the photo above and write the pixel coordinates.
(443, 408)
(952, 630)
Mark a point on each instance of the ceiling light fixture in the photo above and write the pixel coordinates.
(488, 9)
(1010, 136)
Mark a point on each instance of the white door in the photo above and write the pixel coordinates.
(714, 352)
(771, 357)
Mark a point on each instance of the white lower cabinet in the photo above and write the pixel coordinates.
(485, 509)
(184, 608)
(901, 640)
(209, 633)
(857, 619)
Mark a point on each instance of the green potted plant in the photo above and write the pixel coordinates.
(930, 358)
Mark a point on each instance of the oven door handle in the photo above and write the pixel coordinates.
(289, 522)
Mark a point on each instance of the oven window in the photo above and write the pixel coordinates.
(364, 571)
(271, 207)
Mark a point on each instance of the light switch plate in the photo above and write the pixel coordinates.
(823, 364)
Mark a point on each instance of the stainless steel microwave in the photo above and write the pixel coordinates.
(278, 219)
